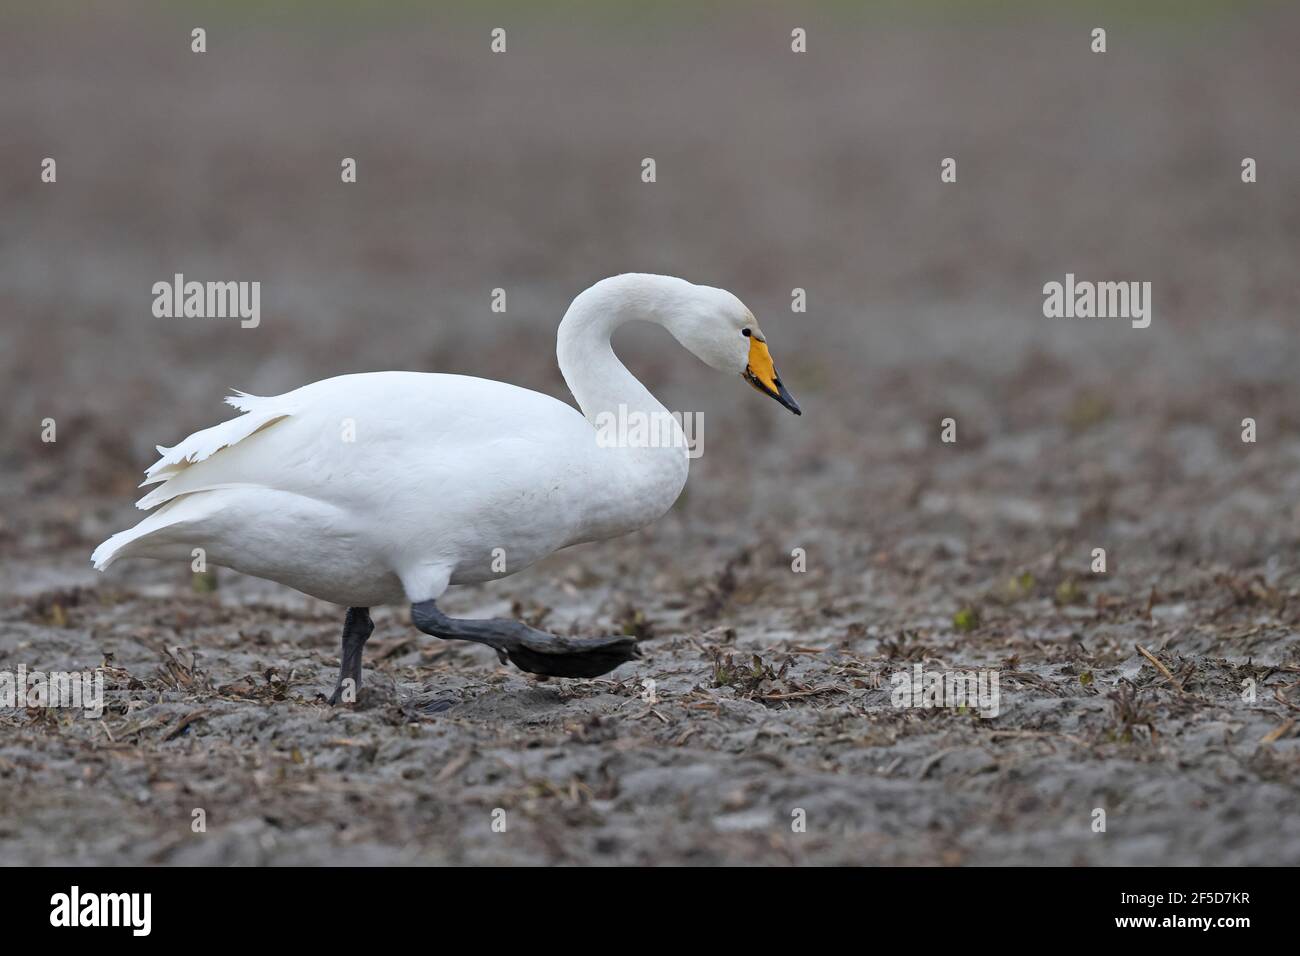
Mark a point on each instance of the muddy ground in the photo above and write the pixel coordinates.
(772, 688)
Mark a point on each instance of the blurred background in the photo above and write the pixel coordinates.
(775, 170)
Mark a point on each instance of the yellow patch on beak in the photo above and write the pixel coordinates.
(761, 373)
(760, 364)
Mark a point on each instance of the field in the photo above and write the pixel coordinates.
(1162, 691)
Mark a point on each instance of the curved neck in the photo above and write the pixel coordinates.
(641, 478)
(595, 376)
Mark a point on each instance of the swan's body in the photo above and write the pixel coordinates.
(386, 487)
(444, 470)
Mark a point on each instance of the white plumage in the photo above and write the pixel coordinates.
(385, 487)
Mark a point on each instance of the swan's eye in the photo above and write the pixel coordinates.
(745, 332)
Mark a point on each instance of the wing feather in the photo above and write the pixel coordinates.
(259, 413)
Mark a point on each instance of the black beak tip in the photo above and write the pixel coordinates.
(781, 394)
(785, 398)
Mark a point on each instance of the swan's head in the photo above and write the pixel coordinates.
(717, 327)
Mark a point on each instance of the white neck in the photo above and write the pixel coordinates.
(637, 483)
(595, 376)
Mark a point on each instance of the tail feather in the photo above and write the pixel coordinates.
(164, 528)
(258, 412)
(111, 550)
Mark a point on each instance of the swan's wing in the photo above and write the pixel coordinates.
(426, 431)
(259, 413)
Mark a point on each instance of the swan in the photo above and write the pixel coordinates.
(382, 488)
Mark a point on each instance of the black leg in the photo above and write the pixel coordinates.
(528, 648)
(357, 628)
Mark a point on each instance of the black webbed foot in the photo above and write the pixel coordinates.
(528, 648)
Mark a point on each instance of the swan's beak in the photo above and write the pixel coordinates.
(761, 373)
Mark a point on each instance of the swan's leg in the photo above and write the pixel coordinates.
(357, 627)
(528, 648)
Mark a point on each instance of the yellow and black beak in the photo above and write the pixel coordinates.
(761, 373)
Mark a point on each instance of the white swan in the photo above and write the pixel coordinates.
(386, 487)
